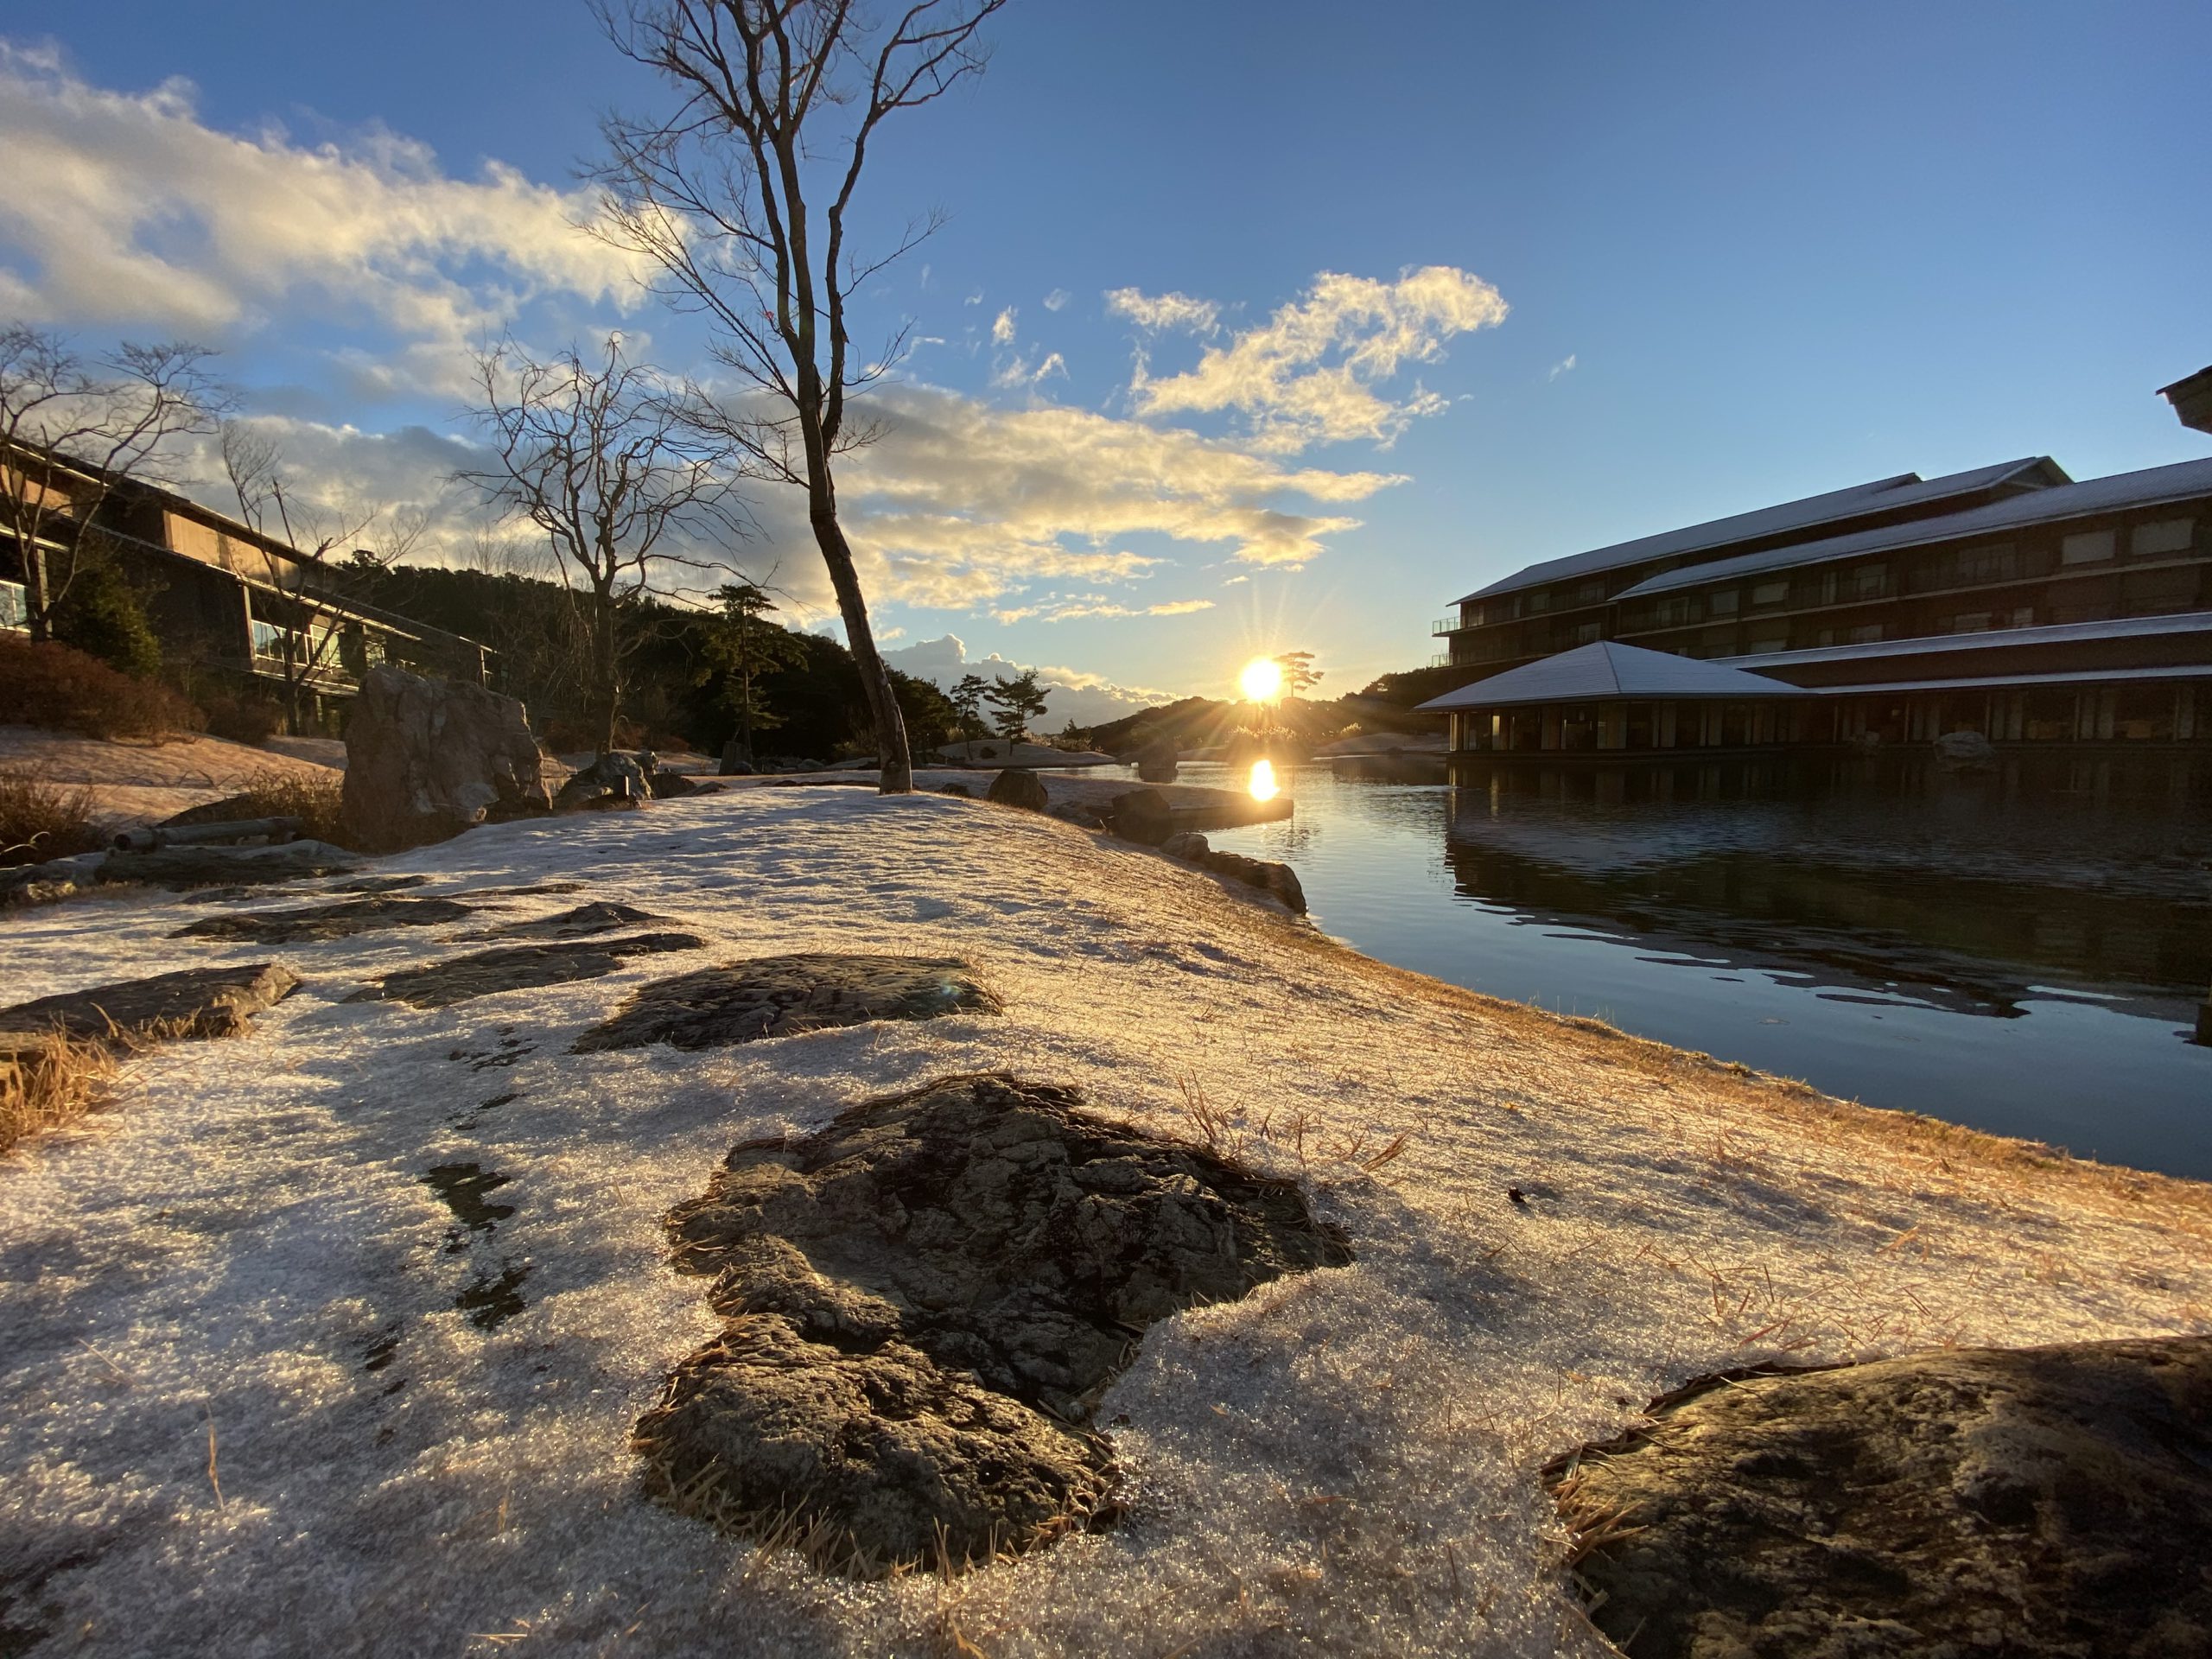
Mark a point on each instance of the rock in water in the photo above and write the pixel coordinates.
(1017, 786)
(195, 1002)
(1143, 815)
(1158, 761)
(1966, 752)
(2017, 1501)
(924, 1301)
(426, 758)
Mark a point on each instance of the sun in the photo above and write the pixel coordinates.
(1261, 680)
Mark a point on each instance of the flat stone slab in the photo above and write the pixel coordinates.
(924, 1303)
(778, 996)
(194, 1002)
(178, 868)
(582, 922)
(516, 967)
(338, 921)
(2017, 1501)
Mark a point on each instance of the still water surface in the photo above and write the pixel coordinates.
(2021, 952)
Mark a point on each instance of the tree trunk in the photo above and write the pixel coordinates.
(603, 692)
(37, 591)
(897, 777)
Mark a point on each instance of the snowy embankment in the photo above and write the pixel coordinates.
(240, 1411)
(135, 784)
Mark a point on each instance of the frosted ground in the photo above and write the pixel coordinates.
(196, 1456)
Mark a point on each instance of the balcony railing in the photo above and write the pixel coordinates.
(1442, 659)
(1444, 624)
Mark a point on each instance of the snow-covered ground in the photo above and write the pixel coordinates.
(196, 1456)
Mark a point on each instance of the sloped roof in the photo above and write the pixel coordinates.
(1609, 670)
(2147, 488)
(1905, 490)
(2048, 633)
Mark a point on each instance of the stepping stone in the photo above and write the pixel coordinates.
(179, 867)
(580, 923)
(338, 921)
(924, 1302)
(776, 996)
(195, 1002)
(516, 967)
(2026, 1502)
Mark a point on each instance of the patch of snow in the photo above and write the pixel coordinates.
(1343, 1462)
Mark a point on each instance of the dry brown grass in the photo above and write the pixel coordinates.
(313, 800)
(41, 819)
(49, 1080)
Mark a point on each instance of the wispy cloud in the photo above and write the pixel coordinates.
(1058, 298)
(1158, 312)
(1002, 329)
(1564, 365)
(1312, 373)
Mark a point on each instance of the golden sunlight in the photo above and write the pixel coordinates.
(1262, 681)
(1262, 784)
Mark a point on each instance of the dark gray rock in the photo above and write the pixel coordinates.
(2024, 1502)
(179, 867)
(1189, 845)
(1141, 815)
(616, 777)
(582, 923)
(925, 1300)
(194, 1002)
(1076, 812)
(737, 759)
(1159, 761)
(1264, 873)
(338, 921)
(1017, 786)
(516, 967)
(777, 996)
(426, 758)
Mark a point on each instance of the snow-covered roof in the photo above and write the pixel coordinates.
(2119, 627)
(1881, 495)
(2147, 488)
(1607, 670)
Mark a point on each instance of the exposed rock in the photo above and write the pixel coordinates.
(668, 785)
(776, 996)
(379, 884)
(599, 917)
(2022, 1503)
(1076, 812)
(179, 867)
(1966, 752)
(338, 921)
(426, 758)
(1158, 761)
(925, 1300)
(516, 967)
(1143, 815)
(1265, 873)
(615, 778)
(57, 877)
(737, 759)
(961, 790)
(194, 1002)
(1016, 786)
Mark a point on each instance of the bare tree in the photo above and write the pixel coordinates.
(600, 457)
(780, 100)
(71, 429)
(302, 636)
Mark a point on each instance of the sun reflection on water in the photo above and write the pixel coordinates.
(1262, 784)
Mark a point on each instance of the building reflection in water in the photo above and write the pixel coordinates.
(1865, 876)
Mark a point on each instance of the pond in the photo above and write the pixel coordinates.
(2021, 951)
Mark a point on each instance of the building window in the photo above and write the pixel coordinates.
(2167, 535)
(1763, 643)
(1978, 565)
(14, 606)
(1770, 592)
(1722, 603)
(1869, 579)
(1867, 634)
(2086, 547)
(1586, 633)
(1969, 622)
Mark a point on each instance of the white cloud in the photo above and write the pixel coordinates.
(1163, 311)
(1562, 366)
(1096, 605)
(1057, 298)
(1002, 330)
(125, 209)
(1087, 699)
(1309, 374)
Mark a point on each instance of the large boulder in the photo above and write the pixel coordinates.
(1158, 760)
(1017, 787)
(427, 759)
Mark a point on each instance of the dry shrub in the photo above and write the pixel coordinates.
(41, 820)
(63, 689)
(312, 797)
(243, 720)
(48, 1080)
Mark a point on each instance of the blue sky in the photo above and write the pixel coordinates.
(1679, 261)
